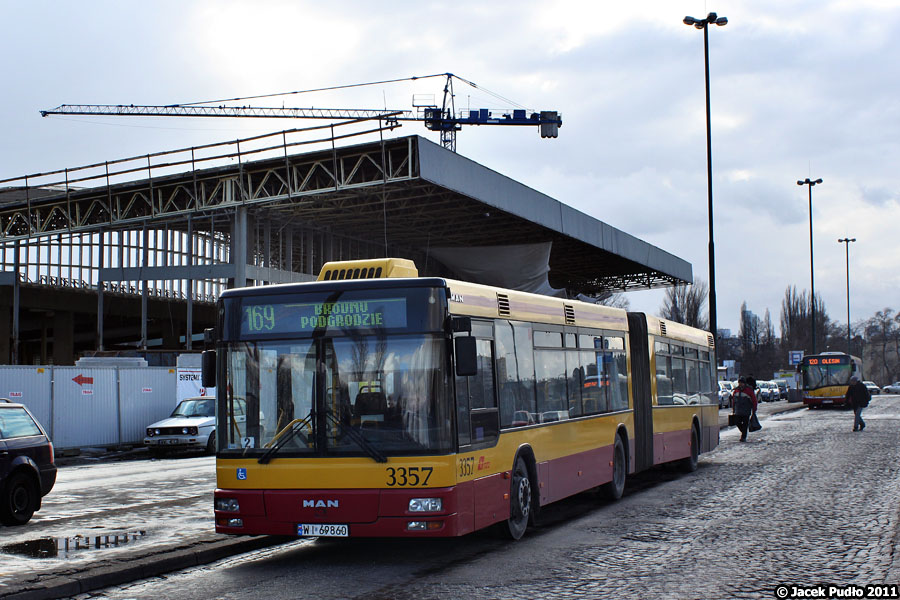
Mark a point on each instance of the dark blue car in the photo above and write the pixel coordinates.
(27, 471)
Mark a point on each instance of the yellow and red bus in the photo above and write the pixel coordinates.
(378, 403)
(825, 377)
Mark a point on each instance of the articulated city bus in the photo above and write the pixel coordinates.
(825, 377)
(378, 403)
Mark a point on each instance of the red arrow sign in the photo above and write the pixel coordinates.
(81, 379)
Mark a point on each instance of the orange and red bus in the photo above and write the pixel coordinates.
(379, 403)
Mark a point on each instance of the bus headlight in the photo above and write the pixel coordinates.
(228, 505)
(426, 505)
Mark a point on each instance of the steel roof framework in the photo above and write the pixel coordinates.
(288, 213)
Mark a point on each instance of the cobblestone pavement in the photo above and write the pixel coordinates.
(806, 501)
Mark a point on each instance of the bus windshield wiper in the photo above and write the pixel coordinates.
(357, 437)
(284, 436)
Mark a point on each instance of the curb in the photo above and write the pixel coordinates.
(127, 570)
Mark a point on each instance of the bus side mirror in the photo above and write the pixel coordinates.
(208, 368)
(466, 356)
(460, 324)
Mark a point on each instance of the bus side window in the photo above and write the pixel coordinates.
(525, 396)
(663, 380)
(507, 375)
(552, 397)
(477, 416)
(463, 429)
(706, 383)
(575, 383)
(481, 393)
(679, 380)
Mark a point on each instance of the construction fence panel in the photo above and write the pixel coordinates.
(30, 386)
(85, 407)
(146, 395)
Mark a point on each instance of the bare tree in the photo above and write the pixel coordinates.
(749, 336)
(882, 332)
(686, 304)
(614, 299)
(796, 314)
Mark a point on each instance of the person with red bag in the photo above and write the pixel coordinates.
(743, 405)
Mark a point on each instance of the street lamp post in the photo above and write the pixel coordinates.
(846, 242)
(711, 19)
(812, 279)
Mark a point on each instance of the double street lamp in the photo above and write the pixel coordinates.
(711, 19)
(812, 280)
(846, 242)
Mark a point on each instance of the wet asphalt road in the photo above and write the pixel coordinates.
(806, 501)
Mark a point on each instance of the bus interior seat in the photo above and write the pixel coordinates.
(370, 403)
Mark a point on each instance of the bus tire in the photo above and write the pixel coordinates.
(614, 489)
(691, 463)
(521, 501)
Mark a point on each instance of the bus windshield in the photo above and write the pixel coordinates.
(352, 374)
(393, 391)
(819, 372)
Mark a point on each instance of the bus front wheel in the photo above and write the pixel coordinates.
(520, 501)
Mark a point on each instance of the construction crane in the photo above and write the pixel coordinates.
(444, 119)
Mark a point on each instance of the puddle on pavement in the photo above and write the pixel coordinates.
(49, 547)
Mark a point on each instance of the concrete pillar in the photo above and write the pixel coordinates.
(5, 333)
(101, 264)
(63, 338)
(145, 243)
(189, 326)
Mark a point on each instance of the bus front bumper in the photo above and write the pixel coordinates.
(355, 513)
(823, 400)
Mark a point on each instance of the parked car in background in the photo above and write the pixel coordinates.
(191, 426)
(874, 390)
(774, 390)
(725, 388)
(763, 393)
(27, 470)
(783, 388)
(894, 388)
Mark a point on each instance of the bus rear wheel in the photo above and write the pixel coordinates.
(616, 487)
(520, 501)
(691, 463)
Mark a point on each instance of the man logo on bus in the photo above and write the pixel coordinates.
(321, 504)
(483, 464)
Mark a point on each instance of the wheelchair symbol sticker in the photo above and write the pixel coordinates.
(242, 474)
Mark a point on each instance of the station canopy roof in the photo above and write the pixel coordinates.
(429, 198)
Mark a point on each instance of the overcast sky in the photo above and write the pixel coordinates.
(799, 89)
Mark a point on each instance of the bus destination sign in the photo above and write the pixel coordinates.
(306, 317)
(837, 360)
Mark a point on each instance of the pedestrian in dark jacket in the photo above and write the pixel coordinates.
(743, 402)
(858, 398)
